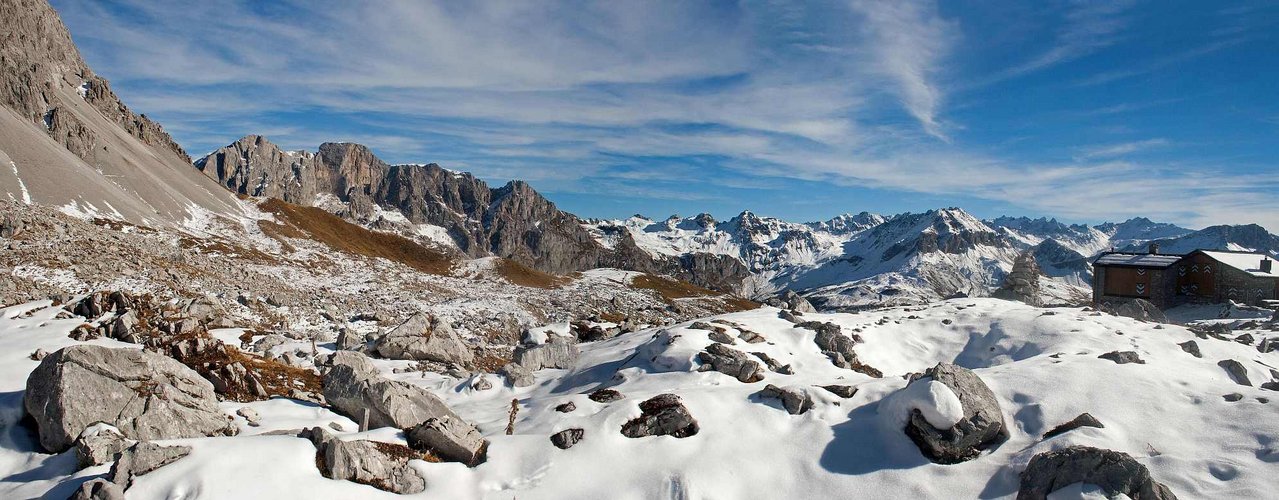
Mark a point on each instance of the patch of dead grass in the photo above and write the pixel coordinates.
(316, 224)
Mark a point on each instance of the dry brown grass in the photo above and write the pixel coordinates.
(670, 290)
(316, 224)
(522, 275)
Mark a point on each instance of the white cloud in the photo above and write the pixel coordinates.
(557, 92)
(1120, 149)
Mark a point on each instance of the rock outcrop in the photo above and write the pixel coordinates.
(981, 427)
(384, 466)
(1116, 473)
(425, 337)
(662, 415)
(839, 347)
(731, 362)
(791, 301)
(1022, 283)
(1140, 309)
(353, 387)
(146, 396)
(796, 401)
(559, 352)
(451, 439)
(566, 438)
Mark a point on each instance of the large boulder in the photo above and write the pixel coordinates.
(426, 338)
(384, 466)
(981, 427)
(145, 395)
(559, 352)
(451, 439)
(353, 386)
(732, 362)
(662, 415)
(1116, 473)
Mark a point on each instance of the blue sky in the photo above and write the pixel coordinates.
(1086, 111)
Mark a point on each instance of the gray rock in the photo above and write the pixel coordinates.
(38, 355)
(142, 458)
(663, 415)
(729, 361)
(1083, 420)
(1191, 347)
(558, 353)
(566, 438)
(353, 385)
(1022, 283)
(1272, 385)
(722, 337)
(450, 438)
(349, 340)
(98, 489)
(982, 426)
(424, 337)
(268, 342)
(795, 401)
(1236, 371)
(145, 395)
(605, 396)
(1122, 357)
(789, 316)
(1140, 309)
(381, 465)
(250, 415)
(1232, 397)
(566, 407)
(517, 375)
(99, 444)
(482, 383)
(771, 363)
(843, 391)
(839, 347)
(791, 301)
(1116, 473)
(751, 337)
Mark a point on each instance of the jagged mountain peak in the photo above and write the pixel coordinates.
(70, 142)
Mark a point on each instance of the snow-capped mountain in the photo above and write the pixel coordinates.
(857, 260)
(1248, 238)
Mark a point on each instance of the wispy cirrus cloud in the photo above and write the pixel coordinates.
(1120, 149)
(663, 100)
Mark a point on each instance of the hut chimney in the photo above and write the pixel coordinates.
(1267, 265)
(1154, 248)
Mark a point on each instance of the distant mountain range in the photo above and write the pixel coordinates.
(66, 140)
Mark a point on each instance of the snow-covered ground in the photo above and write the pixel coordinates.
(1042, 365)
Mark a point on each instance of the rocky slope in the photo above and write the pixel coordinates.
(452, 208)
(66, 139)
